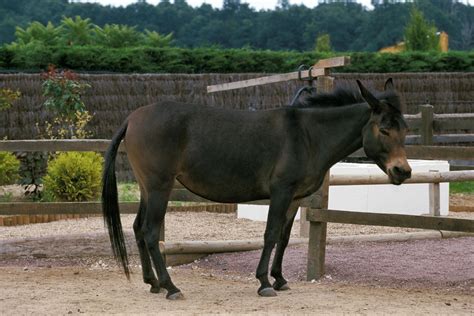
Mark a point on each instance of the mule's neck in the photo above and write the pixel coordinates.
(336, 132)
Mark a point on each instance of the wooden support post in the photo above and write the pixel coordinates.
(434, 199)
(316, 250)
(304, 224)
(317, 239)
(426, 124)
(325, 84)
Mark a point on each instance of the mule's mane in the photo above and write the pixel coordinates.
(346, 96)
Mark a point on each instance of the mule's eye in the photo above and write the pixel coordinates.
(384, 132)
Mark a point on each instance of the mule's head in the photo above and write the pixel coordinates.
(384, 134)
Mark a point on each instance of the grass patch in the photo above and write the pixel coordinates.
(7, 197)
(128, 192)
(462, 187)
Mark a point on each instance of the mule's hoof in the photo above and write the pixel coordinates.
(175, 296)
(267, 292)
(284, 287)
(155, 289)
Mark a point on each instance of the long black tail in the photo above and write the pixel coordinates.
(110, 207)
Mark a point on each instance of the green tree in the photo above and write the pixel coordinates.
(155, 39)
(77, 31)
(36, 32)
(323, 43)
(420, 35)
(115, 36)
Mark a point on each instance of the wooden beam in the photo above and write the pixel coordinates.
(319, 69)
(431, 152)
(419, 177)
(392, 220)
(52, 145)
(442, 139)
(218, 246)
(41, 208)
(457, 121)
(440, 152)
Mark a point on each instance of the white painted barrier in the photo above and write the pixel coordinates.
(411, 199)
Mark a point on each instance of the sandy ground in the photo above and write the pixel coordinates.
(60, 291)
(65, 267)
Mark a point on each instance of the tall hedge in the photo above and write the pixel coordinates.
(213, 60)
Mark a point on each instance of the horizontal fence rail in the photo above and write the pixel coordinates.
(431, 152)
(180, 194)
(419, 177)
(393, 220)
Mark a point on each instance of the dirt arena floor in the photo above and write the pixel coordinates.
(65, 268)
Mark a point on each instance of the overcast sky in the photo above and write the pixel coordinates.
(257, 4)
(260, 4)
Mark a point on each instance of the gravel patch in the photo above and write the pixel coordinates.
(181, 226)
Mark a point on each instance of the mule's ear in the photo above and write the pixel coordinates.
(370, 98)
(389, 85)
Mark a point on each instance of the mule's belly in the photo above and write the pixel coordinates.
(225, 189)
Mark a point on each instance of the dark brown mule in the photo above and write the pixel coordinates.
(236, 156)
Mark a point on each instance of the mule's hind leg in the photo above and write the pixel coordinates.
(279, 203)
(280, 283)
(154, 216)
(147, 270)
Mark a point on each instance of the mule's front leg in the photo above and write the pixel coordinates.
(280, 283)
(279, 203)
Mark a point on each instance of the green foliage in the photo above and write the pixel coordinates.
(9, 168)
(7, 97)
(6, 197)
(155, 39)
(37, 33)
(115, 36)
(78, 32)
(419, 34)
(74, 176)
(128, 192)
(323, 43)
(352, 27)
(462, 187)
(214, 60)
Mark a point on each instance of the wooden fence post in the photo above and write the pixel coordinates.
(317, 239)
(426, 124)
(435, 209)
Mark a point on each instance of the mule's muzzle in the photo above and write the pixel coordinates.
(398, 174)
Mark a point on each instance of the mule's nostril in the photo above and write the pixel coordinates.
(401, 172)
(398, 170)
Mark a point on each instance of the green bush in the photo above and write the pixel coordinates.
(213, 60)
(9, 167)
(74, 176)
